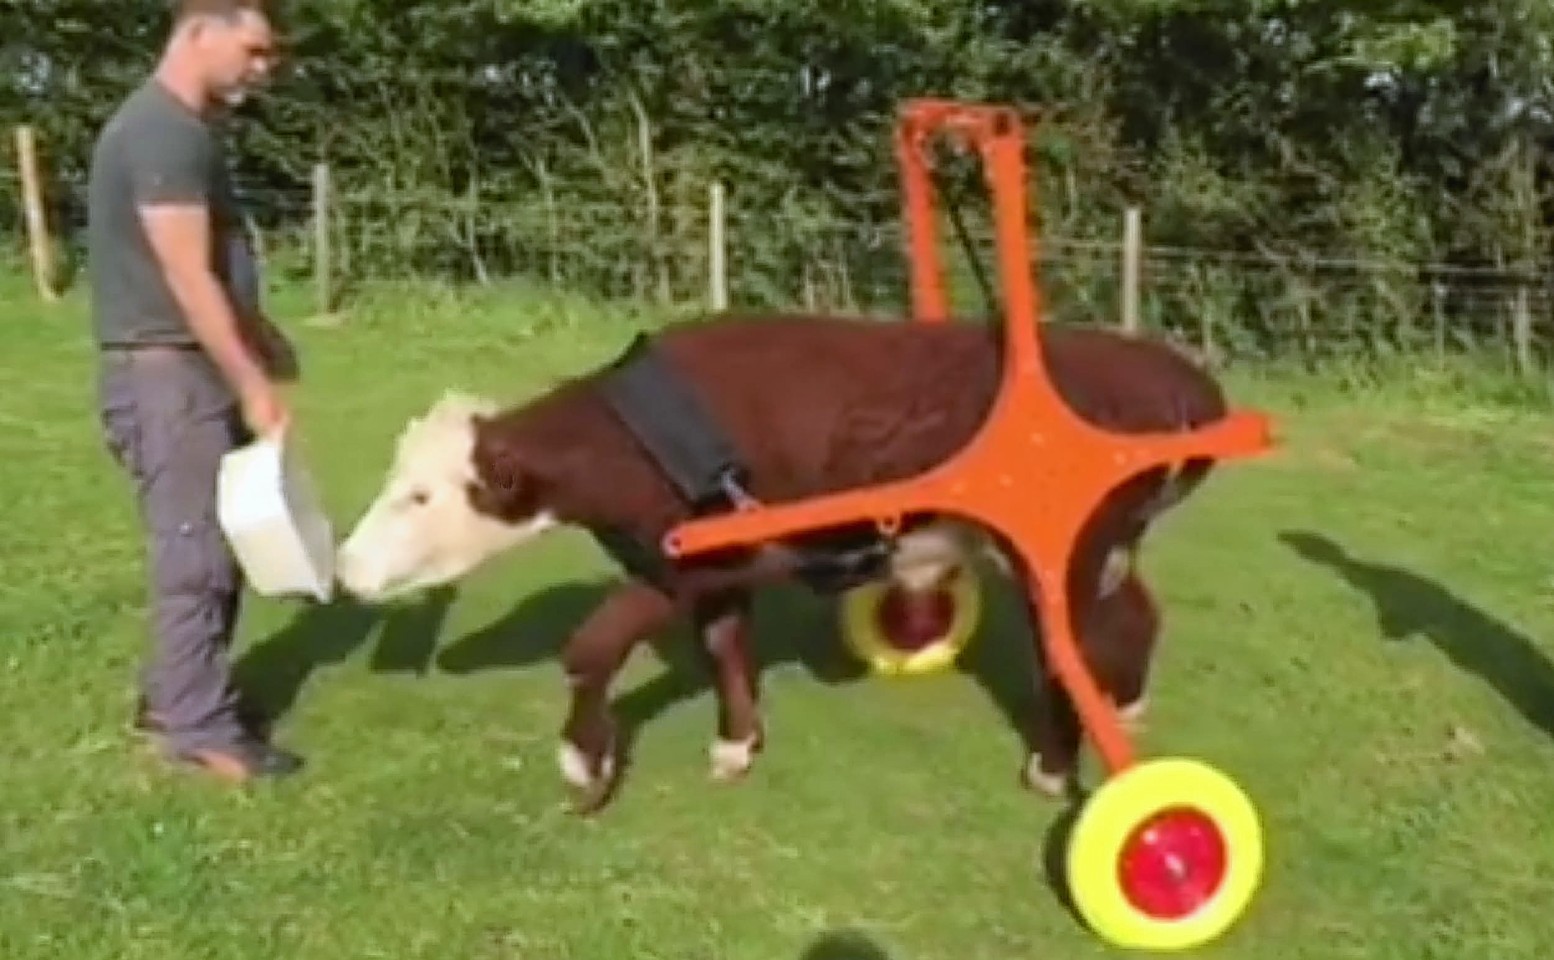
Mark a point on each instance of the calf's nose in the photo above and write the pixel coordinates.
(351, 573)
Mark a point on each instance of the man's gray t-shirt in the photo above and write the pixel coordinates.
(154, 149)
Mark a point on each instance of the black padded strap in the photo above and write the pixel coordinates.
(667, 418)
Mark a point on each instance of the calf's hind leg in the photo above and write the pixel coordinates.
(1053, 730)
(723, 624)
(1120, 644)
(593, 655)
(1116, 636)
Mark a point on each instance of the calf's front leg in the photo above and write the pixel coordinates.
(723, 624)
(593, 655)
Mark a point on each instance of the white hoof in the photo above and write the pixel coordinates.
(1047, 784)
(731, 759)
(1132, 714)
(1119, 563)
(574, 767)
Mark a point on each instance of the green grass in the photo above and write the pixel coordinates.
(883, 821)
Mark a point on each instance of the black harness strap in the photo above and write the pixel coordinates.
(667, 418)
(686, 443)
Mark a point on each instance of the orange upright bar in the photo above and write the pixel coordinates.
(929, 302)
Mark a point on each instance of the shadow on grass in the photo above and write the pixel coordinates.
(786, 629)
(791, 626)
(274, 670)
(1054, 855)
(1408, 604)
(844, 945)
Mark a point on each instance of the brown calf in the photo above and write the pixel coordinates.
(812, 405)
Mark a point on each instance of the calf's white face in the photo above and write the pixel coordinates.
(422, 529)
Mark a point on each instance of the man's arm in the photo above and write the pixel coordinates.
(170, 180)
(179, 233)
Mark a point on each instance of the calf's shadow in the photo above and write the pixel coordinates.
(1408, 605)
(790, 626)
(784, 631)
(273, 672)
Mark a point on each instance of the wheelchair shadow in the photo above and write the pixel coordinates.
(1410, 605)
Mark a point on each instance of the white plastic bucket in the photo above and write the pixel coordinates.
(271, 515)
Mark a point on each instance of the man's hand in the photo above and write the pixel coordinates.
(264, 411)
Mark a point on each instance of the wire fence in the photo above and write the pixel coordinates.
(1230, 305)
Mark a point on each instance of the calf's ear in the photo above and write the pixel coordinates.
(502, 489)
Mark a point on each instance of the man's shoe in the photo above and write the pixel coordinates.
(239, 763)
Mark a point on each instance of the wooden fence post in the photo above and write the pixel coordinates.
(1521, 331)
(1132, 252)
(1438, 293)
(39, 241)
(322, 279)
(717, 250)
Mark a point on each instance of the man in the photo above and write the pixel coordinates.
(185, 372)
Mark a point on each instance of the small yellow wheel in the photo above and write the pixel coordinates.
(897, 633)
(1165, 856)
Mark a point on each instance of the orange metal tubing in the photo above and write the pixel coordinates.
(929, 302)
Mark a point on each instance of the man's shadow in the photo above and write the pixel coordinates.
(1408, 604)
(273, 671)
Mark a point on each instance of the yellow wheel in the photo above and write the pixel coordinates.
(897, 633)
(1165, 856)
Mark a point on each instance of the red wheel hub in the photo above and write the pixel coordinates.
(911, 620)
(1173, 863)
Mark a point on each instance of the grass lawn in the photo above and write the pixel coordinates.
(1358, 631)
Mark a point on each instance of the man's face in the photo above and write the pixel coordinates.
(237, 54)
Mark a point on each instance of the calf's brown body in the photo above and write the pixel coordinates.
(816, 405)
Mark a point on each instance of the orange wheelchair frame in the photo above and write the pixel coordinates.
(1165, 854)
